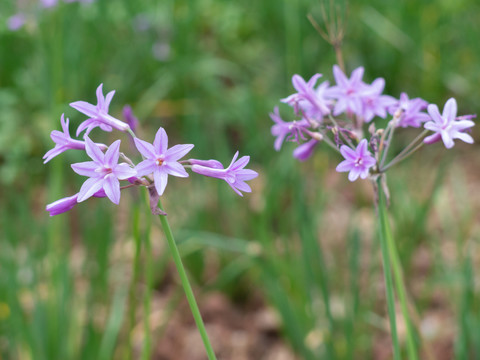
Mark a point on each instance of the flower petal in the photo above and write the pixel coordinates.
(145, 148)
(112, 154)
(175, 169)
(464, 137)
(85, 108)
(242, 186)
(90, 187)
(241, 163)
(177, 152)
(111, 186)
(100, 98)
(450, 110)
(348, 153)
(345, 165)
(339, 76)
(108, 100)
(353, 174)
(447, 139)
(146, 167)
(161, 141)
(434, 113)
(86, 168)
(161, 178)
(94, 151)
(57, 150)
(124, 171)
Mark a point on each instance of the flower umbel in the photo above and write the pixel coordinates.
(358, 162)
(160, 160)
(104, 171)
(235, 175)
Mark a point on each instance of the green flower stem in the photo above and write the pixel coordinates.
(384, 233)
(390, 254)
(186, 284)
(136, 272)
(147, 300)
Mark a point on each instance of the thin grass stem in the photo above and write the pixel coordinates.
(396, 267)
(186, 284)
(387, 271)
(147, 341)
(132, 303)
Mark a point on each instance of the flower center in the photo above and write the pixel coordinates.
(159, 161)
(105, 170)
(358, 162)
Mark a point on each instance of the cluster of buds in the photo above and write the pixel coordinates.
(105, 172)
(336, 115)
(18, 20)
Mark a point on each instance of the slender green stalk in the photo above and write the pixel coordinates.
(132, 303)
(147, 342)
(396, 267)
(384, 232)
(186, 284)
(402, 295)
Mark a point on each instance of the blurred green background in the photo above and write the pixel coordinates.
(301, 248)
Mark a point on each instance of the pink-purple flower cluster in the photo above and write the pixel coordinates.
(104, 171)
(336, 115)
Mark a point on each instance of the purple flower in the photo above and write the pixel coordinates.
(411, 109)
(15, 22)
(98, 114)
(347, 92)
(305, 150)
(289, 130)
(160, 160)
(64, 142)
(357, 162)
(235, 175)
(312, 102)
(373, 102)
(103, 172)
(63, 205)
(446, 125)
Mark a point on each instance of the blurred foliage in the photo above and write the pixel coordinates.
(210, 72)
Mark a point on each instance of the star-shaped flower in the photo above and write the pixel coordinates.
(446, 125)
(63, 141)
(310, 100)
(286, 130)
(411, 109)
(98, 114)
(104, 171)
(373, 102)
(358, 162)
(347, 91)
(235, 175)
(160, 160)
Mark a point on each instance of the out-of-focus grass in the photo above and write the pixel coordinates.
(209, 72)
